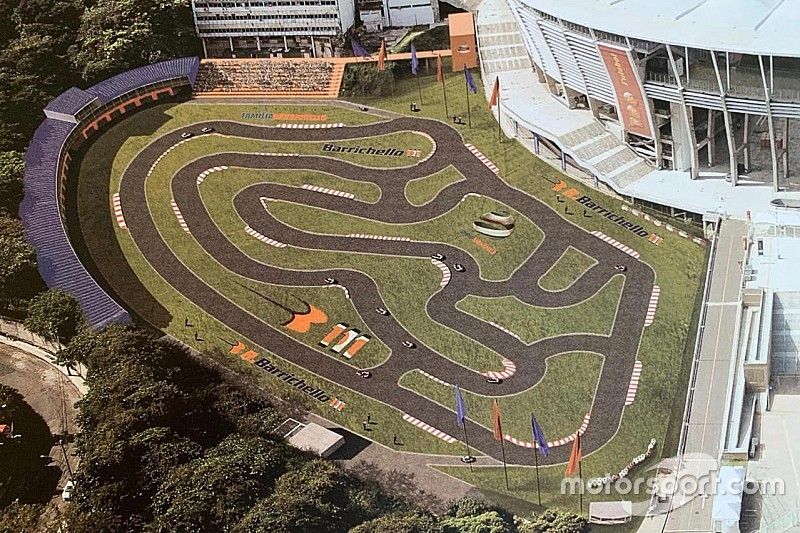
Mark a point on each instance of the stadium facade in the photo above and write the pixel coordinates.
(260, 27)
(710, 88)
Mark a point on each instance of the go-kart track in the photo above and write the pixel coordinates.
(619, 348)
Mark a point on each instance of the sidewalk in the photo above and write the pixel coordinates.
(48, 358)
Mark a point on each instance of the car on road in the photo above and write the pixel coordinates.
(187, 135)
(439, 257)
(458, 267)
(330, 281)
(66, 494)
(620, 268)
(494, 381)
(382, 311)
(467, 459)
(408, 344)
(366, 374)
(207, 130)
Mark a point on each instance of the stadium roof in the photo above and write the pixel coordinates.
(70, 102)
(128, 81)
(767, 27)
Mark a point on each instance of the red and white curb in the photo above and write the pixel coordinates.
(430, 429)
(651, 308)
(377, 237)
(163, 155)
(485, 160)
(504, 330)
(118, 211)
(344, 289)
(433, 145)
(510, 370)
(659, 224)
(203, 175)
(263, 238)
(310, 126)
(446, 275)
(434, 378)
(616, 244)
(634, 386)
(324, 190)
(553, 444)
(179, 216)
(278, 154)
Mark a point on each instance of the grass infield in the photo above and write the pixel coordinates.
(407, 283)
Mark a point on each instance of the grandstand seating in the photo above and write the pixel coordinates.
(270, 77)
(46, 162)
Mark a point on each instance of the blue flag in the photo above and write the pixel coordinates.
(538, 437)
(470, 81)
(358, 50)
(414, 60)
(461, 409)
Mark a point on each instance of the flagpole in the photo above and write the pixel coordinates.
(536, 463)
(499, 128)
(466, 441)
(580, 487)
(469, 113)
(444, 91)
(505, 466)
(419, 89)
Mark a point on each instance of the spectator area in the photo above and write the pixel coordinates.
(313, 78)
(71, 118)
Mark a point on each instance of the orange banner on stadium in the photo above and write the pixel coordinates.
(631, 105)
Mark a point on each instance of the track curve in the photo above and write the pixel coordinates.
(619, 348)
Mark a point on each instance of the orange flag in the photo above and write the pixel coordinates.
(497, 427)
(439, 69)
(574, 457)
(382, 56)
(495, 99)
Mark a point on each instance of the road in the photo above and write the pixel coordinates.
(620, 348)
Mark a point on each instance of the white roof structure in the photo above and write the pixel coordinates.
(316, 439)
(728, 500)
(767, 27)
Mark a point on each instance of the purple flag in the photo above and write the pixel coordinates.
(470, 81)
(414, 60)
(538, 437)
(461, 409)
(358, 50)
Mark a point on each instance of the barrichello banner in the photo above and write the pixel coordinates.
(369, 150)
(586, 201)
(267, 366)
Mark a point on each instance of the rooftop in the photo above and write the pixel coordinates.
(766, 27)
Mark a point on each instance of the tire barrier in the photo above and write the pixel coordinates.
(495, 224)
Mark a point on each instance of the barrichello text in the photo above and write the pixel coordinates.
(369, 150)
(298, 383)
(586, 201)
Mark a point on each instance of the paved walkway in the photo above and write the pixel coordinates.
(706, 419)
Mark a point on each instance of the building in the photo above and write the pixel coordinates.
(271, 27)
(709, 89)
(376, 15)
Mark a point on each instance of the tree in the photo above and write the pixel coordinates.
(367, 80)
(118, 35)
(55, 315)
(554, 521)
(488, 522)
(18, 275)
(213, 492)
(405, 522)
(12, 170)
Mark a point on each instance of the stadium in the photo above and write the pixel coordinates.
(678, 106)
(370, 259)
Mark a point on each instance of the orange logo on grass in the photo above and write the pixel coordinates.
(561, 187)
(302, 322)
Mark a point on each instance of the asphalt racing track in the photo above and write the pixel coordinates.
(620, 348)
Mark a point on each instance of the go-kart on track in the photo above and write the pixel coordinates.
(619, 348)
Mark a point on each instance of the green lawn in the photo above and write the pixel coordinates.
(594, 315)
(566, 271)
(408, 283)
(571, 377)
(424, 190)
(453, 227)
(665, 348)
